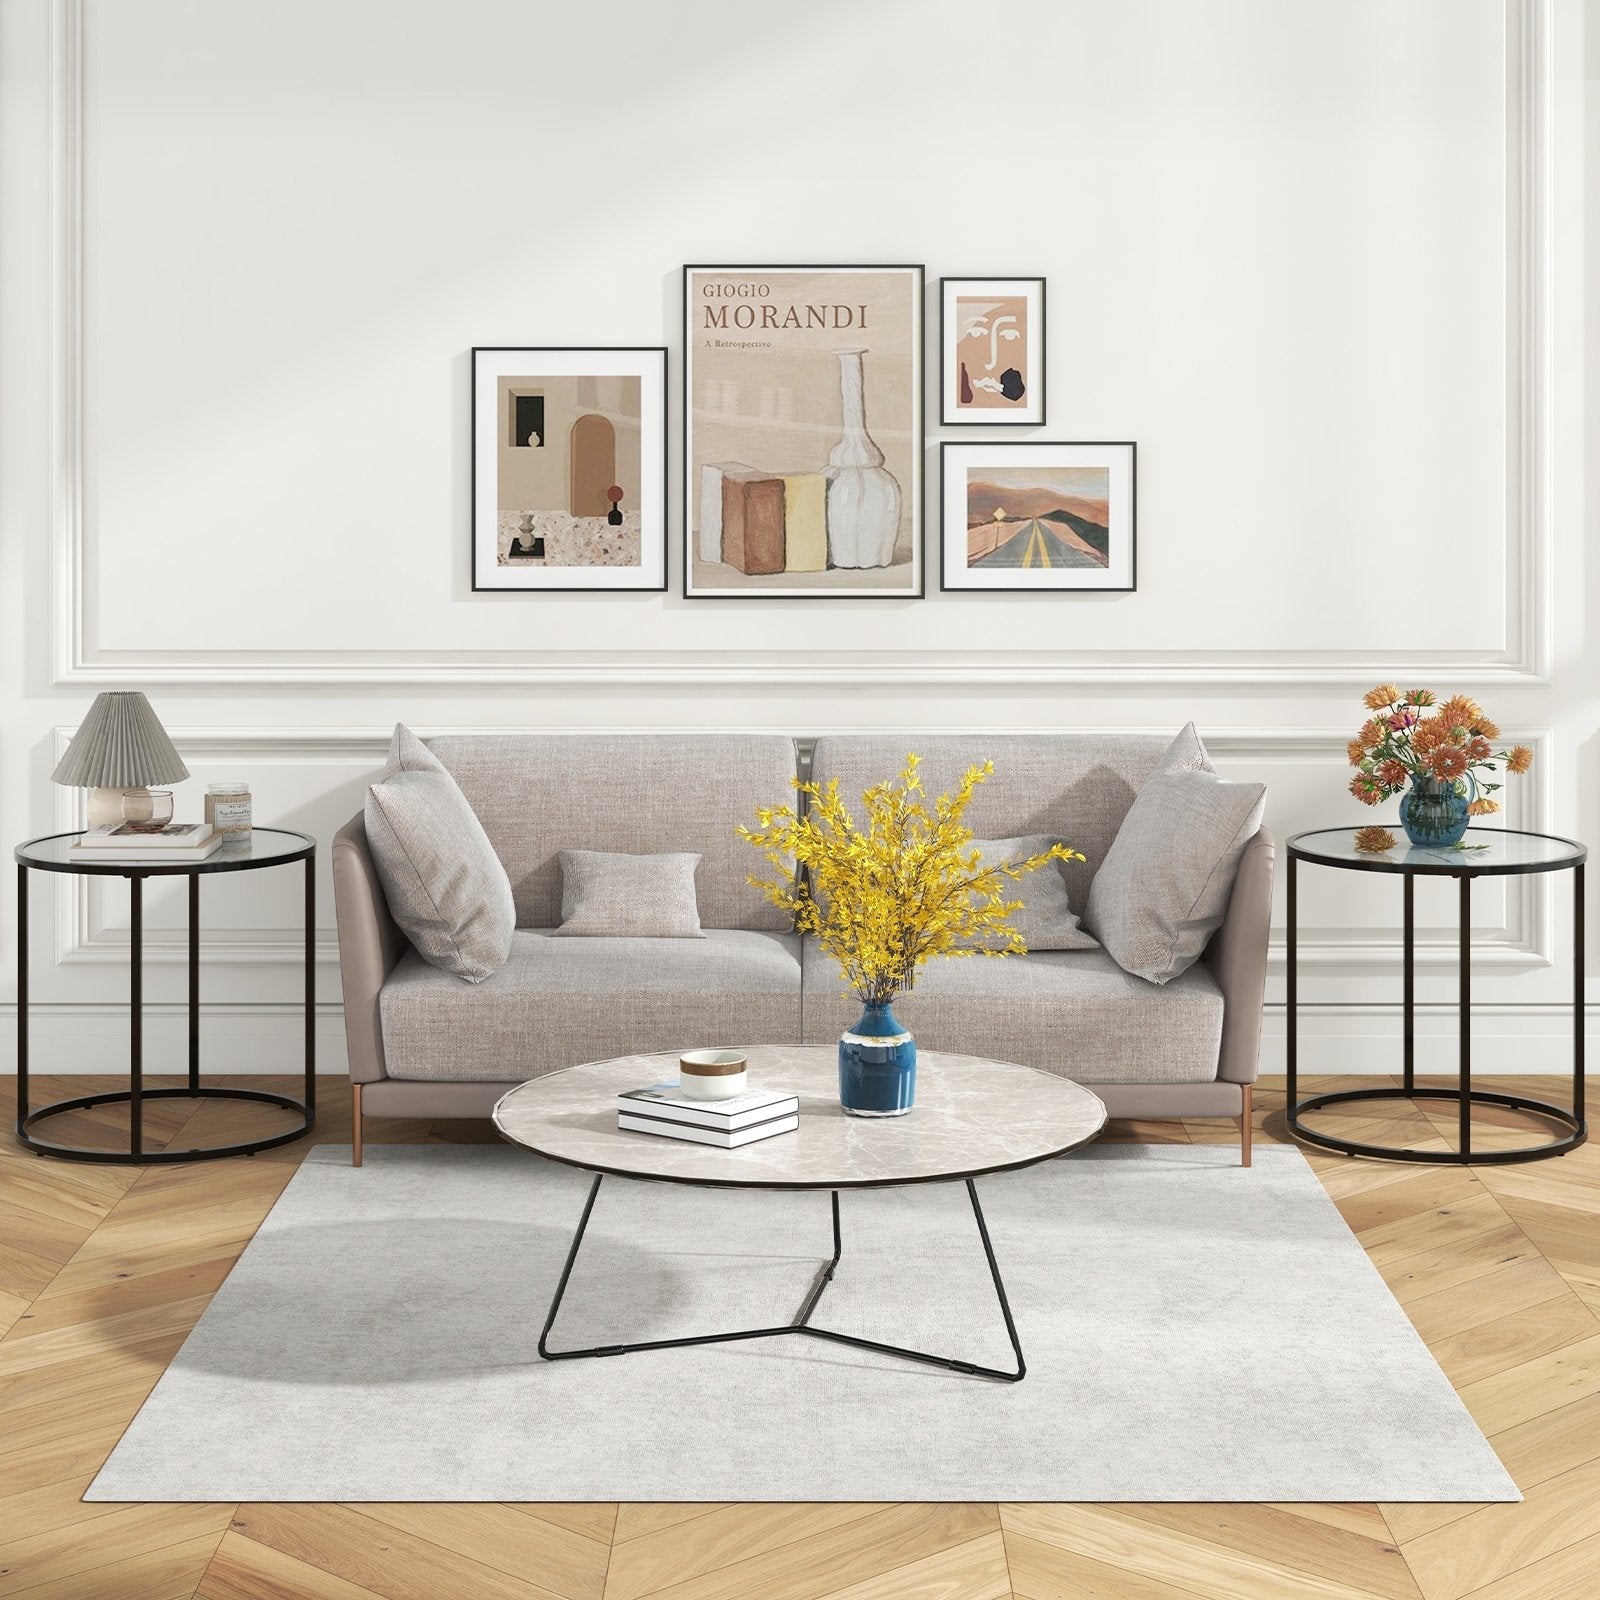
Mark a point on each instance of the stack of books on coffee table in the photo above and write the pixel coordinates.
(665, 1110)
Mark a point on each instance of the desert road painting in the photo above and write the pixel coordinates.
(1031, 517)
(1052, 517)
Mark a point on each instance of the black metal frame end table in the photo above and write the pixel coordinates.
(1510, 852)
(269, 847)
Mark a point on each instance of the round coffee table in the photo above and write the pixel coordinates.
(972, 1117)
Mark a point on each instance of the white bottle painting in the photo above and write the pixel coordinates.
(842, 514)
(863, 497)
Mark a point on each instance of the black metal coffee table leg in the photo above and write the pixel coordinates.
(802, 1324)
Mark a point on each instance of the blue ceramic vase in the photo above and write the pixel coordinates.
(1433, 813)
(877, 1066)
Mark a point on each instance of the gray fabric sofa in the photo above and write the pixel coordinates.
(422, 1043)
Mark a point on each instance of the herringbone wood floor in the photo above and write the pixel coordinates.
(103, 1270)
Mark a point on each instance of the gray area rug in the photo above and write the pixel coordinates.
(1194, 1331)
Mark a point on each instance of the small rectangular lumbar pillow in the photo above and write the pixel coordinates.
(445, 885)
(604, 893)
(1046, 920)
(1163, 888)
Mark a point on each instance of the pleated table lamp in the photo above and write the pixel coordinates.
(121, 749)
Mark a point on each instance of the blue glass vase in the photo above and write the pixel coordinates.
(877, 1066)
(1433, 813)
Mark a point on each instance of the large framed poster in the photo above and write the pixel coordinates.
(802, 432)
(569, 469)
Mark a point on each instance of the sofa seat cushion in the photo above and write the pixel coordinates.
(1071, 1012)
(557, 1002)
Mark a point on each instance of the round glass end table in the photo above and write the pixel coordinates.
(267, 847)
(1488, 853)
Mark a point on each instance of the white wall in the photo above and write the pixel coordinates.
(1324, 262)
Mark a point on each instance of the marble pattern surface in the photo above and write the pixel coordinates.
(571, 541)
(970, 1116)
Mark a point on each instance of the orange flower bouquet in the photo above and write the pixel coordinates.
(1434, 751)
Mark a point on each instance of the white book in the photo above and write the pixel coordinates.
(165, 853)
(124, 836)
(723, 1138)
(667, 1101)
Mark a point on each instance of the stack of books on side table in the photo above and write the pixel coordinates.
(665, 1110)
(123, 841)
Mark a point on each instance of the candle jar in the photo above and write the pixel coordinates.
(147, 810)
(228, 810)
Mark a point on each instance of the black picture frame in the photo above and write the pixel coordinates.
(653, 575)
(918, 433)
(1022, 448)
(1040, 385)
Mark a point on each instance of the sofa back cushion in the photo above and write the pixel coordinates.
(642, 793)
(1076, 787)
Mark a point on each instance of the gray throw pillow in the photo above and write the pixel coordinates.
(605, 893)
(1046, 920)
(407, 753)
(1163, 888)
(445, 885)
(1186, 753)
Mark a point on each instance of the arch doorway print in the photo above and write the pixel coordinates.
(593, 466)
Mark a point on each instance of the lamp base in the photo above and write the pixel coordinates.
(106, 806)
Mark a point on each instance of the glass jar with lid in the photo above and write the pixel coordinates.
(228, 810)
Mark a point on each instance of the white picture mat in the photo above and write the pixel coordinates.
(489, 366)
(1032, 289)
(958, 460)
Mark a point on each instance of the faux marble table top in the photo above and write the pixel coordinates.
(971, 1116)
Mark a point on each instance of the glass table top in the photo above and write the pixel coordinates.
(266, 847)
(1486, 851)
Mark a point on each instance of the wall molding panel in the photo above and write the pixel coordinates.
(1525, 940)
(1521, 655)
(83, 936)
(1530, 301)
(239, 473)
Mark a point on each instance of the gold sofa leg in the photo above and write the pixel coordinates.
(1244, 1125)
(355, 1123)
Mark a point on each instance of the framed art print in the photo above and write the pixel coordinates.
(802, 436)
(569, 469)
(1037, 517)
(991, 350)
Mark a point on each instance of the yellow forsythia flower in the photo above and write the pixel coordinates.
(883, 899)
